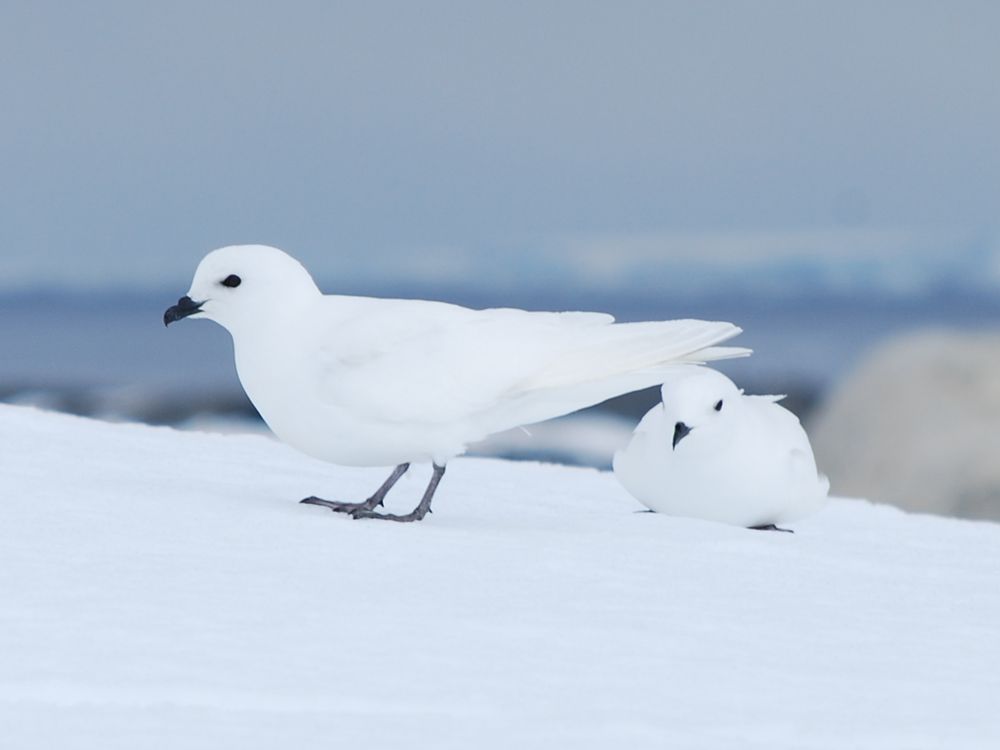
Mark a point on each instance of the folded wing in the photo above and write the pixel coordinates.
(414, 361)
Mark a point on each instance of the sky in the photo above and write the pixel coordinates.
(545, 143)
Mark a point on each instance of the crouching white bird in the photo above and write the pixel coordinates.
(361, 381)
(708, 451)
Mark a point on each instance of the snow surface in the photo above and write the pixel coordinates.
(161, 589)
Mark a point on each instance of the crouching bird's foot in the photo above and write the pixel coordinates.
(770, 527)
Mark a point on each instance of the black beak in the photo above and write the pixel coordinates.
(680, 432)
(185, 306)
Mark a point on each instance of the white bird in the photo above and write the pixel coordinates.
(362, 381)
(708, 451)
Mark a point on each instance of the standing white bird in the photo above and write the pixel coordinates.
(362, 381)
(708, 451)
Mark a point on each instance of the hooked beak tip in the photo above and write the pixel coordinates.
(184, 308)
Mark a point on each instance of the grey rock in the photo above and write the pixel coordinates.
(917, 425)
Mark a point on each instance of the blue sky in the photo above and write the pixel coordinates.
(559, 142)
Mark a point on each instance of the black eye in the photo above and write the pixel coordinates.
(232, 281)
(718, 405)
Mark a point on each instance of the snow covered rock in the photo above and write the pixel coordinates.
(918, 426)
(161, 589)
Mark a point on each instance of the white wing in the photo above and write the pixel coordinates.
(411, 360)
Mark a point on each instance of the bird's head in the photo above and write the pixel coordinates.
(244, 285)
(698, 398)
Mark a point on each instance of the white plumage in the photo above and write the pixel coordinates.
(367, 382)
(709, 451)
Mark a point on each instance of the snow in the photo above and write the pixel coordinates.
(164, 589)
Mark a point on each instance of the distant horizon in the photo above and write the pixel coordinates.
(116, 335)
(832, 263)
(473, 294)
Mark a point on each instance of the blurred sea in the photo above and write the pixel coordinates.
(106, 354)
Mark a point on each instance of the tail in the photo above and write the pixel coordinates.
(613, 360)
(631, 348)
(715, 353)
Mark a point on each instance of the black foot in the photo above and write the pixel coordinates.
(341, 507)
(771, 527)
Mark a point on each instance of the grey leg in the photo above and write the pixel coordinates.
(414, 515)
(373, 502)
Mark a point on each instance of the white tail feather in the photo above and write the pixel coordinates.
(629, 357)
(634, 347)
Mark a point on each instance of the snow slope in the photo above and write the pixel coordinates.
(161, 589)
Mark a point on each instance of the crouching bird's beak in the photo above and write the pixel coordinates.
(681, 431)
(185, 306)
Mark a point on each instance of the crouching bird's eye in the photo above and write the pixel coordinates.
(718, 405)
(232, 281)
